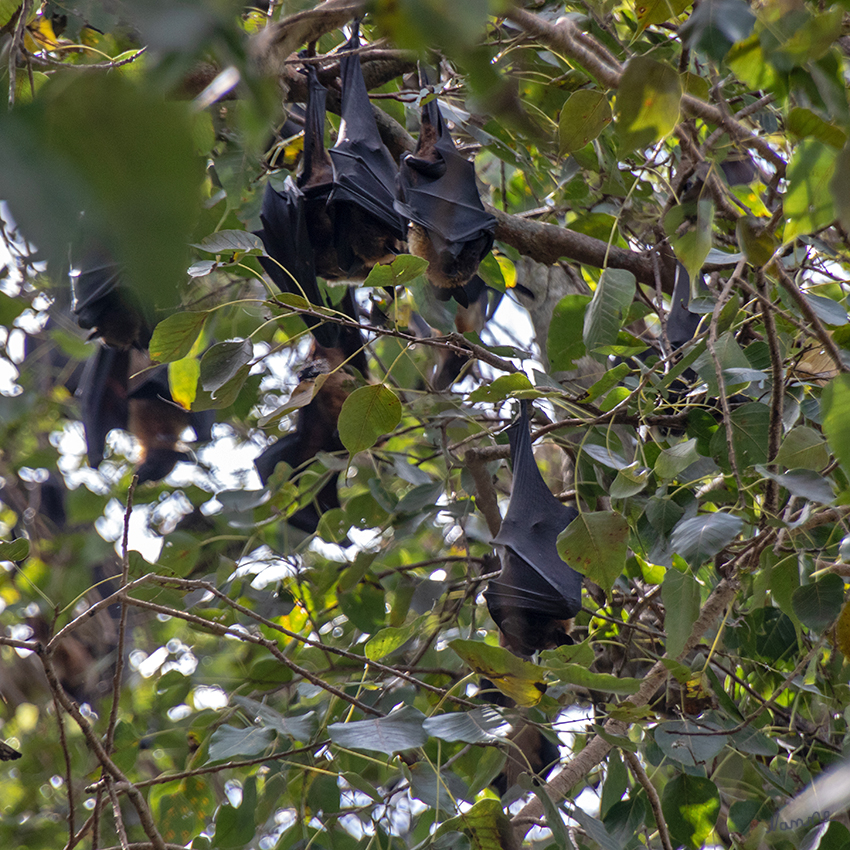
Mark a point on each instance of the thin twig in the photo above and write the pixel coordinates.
(806, 309)
(777, 398)
(718, 370)
(69, 776)
(95, 745)
(652, 794)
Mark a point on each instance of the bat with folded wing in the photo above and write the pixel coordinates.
(537, 592)
(449, 226)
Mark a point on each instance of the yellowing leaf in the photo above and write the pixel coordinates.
(647, 102)
(183, 380)
(584, 116)
(521, 680)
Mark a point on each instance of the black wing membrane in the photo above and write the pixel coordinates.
(109, 307)
(316, 424)
(103, 394)
(316, 182)
(536, 589)
(367, 226)
(438, 195)
(290, 263)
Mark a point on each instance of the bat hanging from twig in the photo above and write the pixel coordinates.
(536, 591)
(449, 226)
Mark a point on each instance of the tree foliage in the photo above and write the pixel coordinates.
(223, 681)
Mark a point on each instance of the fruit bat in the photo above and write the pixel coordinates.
(107, 306)
(449, 226)
(536, 590)
(316, 182)
(109, 399)
(367, 228)
(286, 240)
(316, 424)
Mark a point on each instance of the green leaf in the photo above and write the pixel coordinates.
(14, 550)
(576, 674)
(716, 25)
(659, 11)
(840, 187)
(803, 448)
(302, 727)
(802, 122)
(565, 344)
(400, 730)
(388, 640)
(808, 202)
(502, 387)
(702, 537)
(663, 514)
(630, 481)
(232, 241)
(223, 361)
(229, 742)
(179, 820)
(750, 428)
(686, 742)
(595, 544)
(805, 483)
(670, 462)
(616, 782)
(485, 823)
(518, 679)
(818, 605)
(8, 10)
(610, 379)
(647, 102)
(835, 414)
(756, 243)
(235, 826)
(10, 309)
(174, 336)
(438, 790)
(478, 726)
(120, 152)
(367, 414)
(403, 269)
(689, 227)
(608, 308)
(681, 596)
(554, 817)
(365, 606)
(583, 117)
(737, 371)
(690, 805)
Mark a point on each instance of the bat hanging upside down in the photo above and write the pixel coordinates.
(537, 592)
(449, 226)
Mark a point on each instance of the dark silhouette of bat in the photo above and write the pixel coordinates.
(290, 263)
(449, 226)
(315, 182)
(110, 399)
(316, 424)
(536, 591)
(107, 306)
(530, 751)
(367, 228)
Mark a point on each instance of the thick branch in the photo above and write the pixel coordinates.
(596, 750)
(273, 46)
(566, 38)
(548, 243)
